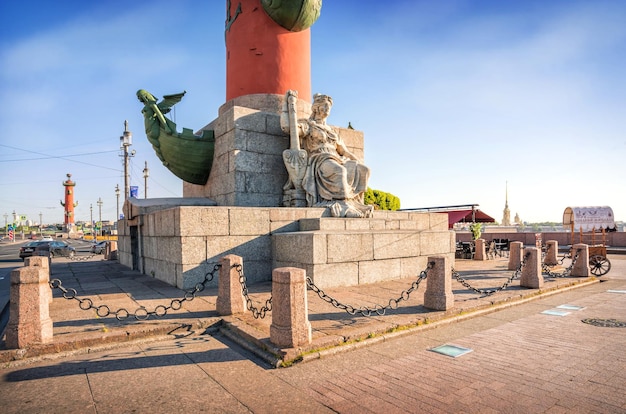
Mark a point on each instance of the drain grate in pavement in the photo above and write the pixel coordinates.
(605, 323)
(451, 350)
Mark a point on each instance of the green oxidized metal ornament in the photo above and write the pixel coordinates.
(293, 15)
(188, 156)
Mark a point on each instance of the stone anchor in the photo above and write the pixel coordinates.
(295, 159)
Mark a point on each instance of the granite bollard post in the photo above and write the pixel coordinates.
(515, 255)
(230, 298)
(44, 263)
(38, 261)
(581, 267)
(531, 272)
(110, 251)
(552, 250)
(479, 251)
(438, 295)
(290, 315)
(29, 315)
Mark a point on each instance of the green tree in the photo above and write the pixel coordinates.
(381, 200)
(476, 229)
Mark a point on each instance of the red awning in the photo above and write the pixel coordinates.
(456, 216)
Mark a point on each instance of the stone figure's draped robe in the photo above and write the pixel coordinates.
(329, 176)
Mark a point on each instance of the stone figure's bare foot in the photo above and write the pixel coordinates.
(335, 210)
(352, 212)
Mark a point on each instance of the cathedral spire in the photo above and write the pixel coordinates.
(506, 216)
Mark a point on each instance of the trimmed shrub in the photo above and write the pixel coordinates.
(381, 200)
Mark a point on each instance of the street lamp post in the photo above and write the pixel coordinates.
(40, 224)
(5, 223)
(117, 195)
(99, 202)
(91, 222)
(146, 174)
(126, 140)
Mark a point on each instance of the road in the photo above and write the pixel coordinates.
(9, 260)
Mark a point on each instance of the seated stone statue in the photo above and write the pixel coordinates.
(333, 176)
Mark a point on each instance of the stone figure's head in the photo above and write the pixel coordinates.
(321, 105)
(145, 97)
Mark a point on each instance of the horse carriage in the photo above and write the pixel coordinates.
(589, 225)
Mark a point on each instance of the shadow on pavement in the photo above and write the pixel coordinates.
(124, 361)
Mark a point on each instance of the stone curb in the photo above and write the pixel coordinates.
(112, 339)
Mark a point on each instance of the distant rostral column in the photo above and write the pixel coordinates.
(268, 46)
(69, 204)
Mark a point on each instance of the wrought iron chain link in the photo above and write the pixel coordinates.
(72, 258)
(256, 312)
(81, 258)
(567, 255)
(548, 272)
(141, 313)
(489, 292)
(378, 309)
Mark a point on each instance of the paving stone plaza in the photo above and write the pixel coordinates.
(524, 355)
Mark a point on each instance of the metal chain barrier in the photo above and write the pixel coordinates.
(567, 255)
(141, 313)
(72, 258)
(545, 269)
(489, 292)
(544, 252)
(257, 313)
(81, 258)
(378, 309)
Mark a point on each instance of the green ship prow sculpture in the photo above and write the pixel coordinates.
(188, 156)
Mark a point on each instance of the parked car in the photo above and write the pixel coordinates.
(99, 247)
(28, 249)
(54, 248)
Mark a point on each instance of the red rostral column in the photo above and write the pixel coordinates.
(263, 57)
(69, 201)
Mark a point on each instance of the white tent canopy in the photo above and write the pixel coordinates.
(589, 218)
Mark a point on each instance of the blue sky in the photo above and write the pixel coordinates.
(455, 98)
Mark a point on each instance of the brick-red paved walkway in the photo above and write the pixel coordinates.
(522, 361)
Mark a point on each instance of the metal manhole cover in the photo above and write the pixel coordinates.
(605, 323)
